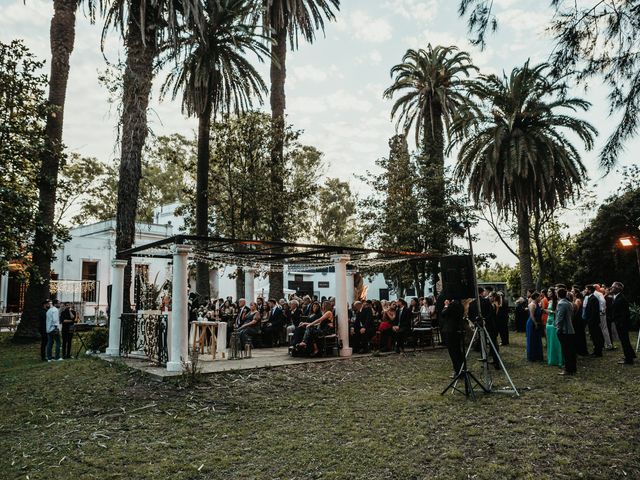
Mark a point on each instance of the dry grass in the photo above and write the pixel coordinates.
(377, 417)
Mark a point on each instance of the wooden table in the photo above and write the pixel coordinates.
(218, 343)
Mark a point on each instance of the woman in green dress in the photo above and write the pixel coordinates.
(554, 349)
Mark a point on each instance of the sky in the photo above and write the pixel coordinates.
(334, 86)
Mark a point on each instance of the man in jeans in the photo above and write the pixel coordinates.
(53, 330)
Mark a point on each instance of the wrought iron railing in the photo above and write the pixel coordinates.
(145, 333)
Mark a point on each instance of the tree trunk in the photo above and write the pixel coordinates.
(138, 77)
(62, 37)
(202, 196)
(431, 171)
(278, 104)
(537, 229)
(524, 252)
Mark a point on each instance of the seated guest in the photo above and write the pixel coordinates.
(306, 305)
(363, 328)
(293, 316)
(274, 323)
(248, 325)
(315, 329)
(386, 327)
(315, 312)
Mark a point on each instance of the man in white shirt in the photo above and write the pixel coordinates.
(53, 330)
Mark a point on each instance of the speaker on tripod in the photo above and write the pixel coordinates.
(458, 279)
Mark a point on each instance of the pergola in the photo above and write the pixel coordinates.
(252, 256)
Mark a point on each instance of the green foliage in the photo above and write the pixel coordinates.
(22, 136)
(242, 195)
(336, 209)
(593, 40)
(167, 169)
(501, 272)
(98, 339)
(600, 258)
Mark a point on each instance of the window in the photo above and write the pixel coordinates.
(89, 281)
(384, 294)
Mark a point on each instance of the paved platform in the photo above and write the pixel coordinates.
(260, 358)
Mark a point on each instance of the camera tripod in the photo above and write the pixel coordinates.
(465, 375)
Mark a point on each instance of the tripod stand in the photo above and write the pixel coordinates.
(465, 375)
(480, 330)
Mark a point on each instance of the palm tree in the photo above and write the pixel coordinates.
(516, 154)
(215, 76)
(431, 84)
(62, 38)
(287, 20)
(144, 25)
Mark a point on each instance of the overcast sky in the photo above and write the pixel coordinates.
(334, 87)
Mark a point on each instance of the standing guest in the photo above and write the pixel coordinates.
(622, 319)
(534, 329)
(563, 322)
(579, 324)
(554, 348)
(544, 305)
(521, 315)
(53, 330)
(502, 319)
(363, 328)
(452, 323)
(611, 327)
(599, 293)
(42, 324)
(68, 318)
(402, 324)
(488, 314)
(591, 315)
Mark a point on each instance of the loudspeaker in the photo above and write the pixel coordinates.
(457, 276)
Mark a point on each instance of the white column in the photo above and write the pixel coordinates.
(351, 290)
(4, 291)
(249, 285)
(178, 321)
(115, 311)
(340, 263)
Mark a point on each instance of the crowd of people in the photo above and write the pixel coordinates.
(301, 322)
(563, 316)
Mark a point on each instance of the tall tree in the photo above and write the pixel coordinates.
(144, 25)
(336, 212)
(390, 213)
(594, 39)
(215, 76)
(516, 154)
(431, 84)
(287, 20)
(62, 38)
(22, 136)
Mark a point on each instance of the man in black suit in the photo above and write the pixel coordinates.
(621, 316)
(306, 305)
(273, 326)
(592, 317)
(402, 324)
(452, 324)
(294, 313)
(363, 328)
(489, 316)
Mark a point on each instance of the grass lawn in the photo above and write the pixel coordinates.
(376, 417)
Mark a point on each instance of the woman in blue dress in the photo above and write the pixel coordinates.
(534, 330)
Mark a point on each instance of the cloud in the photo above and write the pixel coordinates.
(365, 28)
(424, 10)
(306, 73)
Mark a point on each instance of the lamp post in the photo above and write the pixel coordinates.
(629, 241)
